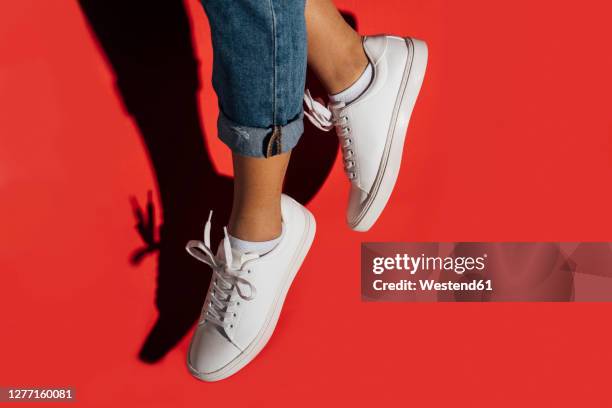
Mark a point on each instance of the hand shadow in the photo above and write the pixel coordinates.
(150, 50)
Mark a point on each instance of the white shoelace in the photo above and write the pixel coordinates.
(326, 118)
(224, 280)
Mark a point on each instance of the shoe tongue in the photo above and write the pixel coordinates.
(238, 257)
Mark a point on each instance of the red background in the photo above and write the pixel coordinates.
(511, 140)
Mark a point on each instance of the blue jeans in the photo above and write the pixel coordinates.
(259, 70)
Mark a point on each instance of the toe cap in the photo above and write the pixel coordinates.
(210, 350)
(357, 198)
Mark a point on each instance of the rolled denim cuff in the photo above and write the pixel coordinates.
(260, 142)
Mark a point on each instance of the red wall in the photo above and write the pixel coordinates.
(511, 140)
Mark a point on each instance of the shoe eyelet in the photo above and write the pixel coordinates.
(249, 271)
(231, 326)
(234, 314)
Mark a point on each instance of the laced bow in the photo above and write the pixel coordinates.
(327, 118)
(224, 280)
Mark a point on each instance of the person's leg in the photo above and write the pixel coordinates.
(335, 50)
(259, 73)
(258, 184)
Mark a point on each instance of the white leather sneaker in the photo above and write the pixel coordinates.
(373, 127)
(246, 295)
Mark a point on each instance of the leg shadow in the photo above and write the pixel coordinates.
(149, 48)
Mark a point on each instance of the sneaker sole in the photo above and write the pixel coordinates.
(266, 332)
(414, 73)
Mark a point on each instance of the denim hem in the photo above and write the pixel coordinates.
(255, 142)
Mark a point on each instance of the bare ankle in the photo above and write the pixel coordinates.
(255, 228)
(349, 68)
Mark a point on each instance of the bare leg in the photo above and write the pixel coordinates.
(335, 52)
(258, 184)
(336, 55)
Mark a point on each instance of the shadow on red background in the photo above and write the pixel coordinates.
(157, 76)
